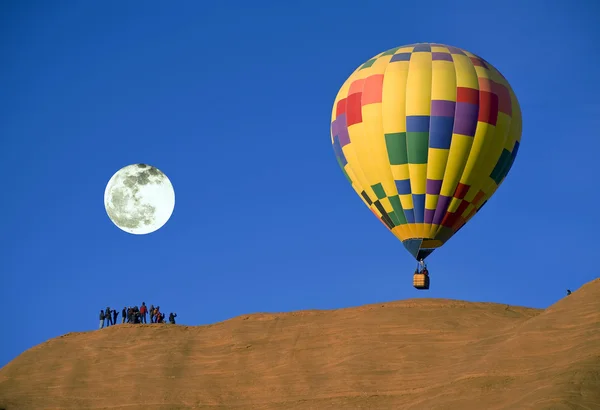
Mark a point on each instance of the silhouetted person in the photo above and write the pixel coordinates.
(115, 314)
(568, 292)
(143, 312)
(157, 314)
(151, 312)
(108, 316)
(172, 317)
(102, 319)
(123, 315)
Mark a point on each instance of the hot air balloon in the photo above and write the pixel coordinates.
(425, 134)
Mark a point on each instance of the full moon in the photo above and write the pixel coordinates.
(139, 199)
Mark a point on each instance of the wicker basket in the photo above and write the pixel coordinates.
(421, 281)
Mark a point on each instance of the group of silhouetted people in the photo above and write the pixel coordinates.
(134, 314)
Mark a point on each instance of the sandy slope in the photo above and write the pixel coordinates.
(415, 354)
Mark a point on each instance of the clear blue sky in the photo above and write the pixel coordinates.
(233, 103)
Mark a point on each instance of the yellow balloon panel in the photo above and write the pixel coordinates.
(425, 134)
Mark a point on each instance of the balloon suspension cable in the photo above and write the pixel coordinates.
(422, 267)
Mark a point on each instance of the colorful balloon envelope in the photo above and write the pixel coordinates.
(425, 134)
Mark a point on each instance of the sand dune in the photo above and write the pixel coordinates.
(415, 354)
